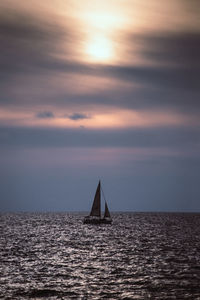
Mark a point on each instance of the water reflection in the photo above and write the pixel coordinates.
(140, 256)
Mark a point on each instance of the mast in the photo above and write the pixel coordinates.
(96, 207)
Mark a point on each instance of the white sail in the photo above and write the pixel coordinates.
(96, 207)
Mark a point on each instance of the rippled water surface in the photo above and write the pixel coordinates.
(139, 256)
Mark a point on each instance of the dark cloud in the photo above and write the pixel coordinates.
(78, 116)
(45, 115)
(168, 77)
(176, 48)
(22, 36)
(28, 44)
(180, 138)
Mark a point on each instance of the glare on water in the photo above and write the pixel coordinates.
(139, 256)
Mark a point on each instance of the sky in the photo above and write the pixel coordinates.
(104, 90)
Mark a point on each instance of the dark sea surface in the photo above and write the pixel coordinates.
(139, 256)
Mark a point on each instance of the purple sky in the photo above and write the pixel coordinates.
(95, 90)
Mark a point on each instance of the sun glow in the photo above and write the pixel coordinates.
(99, 49)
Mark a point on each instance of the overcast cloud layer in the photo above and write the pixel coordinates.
(132, 120)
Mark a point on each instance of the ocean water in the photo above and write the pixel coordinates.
(139, 256)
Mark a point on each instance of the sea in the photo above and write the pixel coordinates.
(139, 256)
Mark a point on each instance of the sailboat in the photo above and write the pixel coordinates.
(95, 213)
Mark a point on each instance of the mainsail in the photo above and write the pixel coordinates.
(106, 213)
(96, 207)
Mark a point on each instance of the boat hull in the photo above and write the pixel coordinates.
(97, 221)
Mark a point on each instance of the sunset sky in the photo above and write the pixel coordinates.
(104, 90)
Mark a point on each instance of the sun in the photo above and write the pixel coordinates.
(99, 49)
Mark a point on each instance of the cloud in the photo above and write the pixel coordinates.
(171, 77)
(44, 73)
(184, 139)
(29, 44)
(78, 116)
(31, 57)
(179, 49)
(45, 115)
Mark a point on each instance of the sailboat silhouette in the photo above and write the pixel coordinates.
(95, 213)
